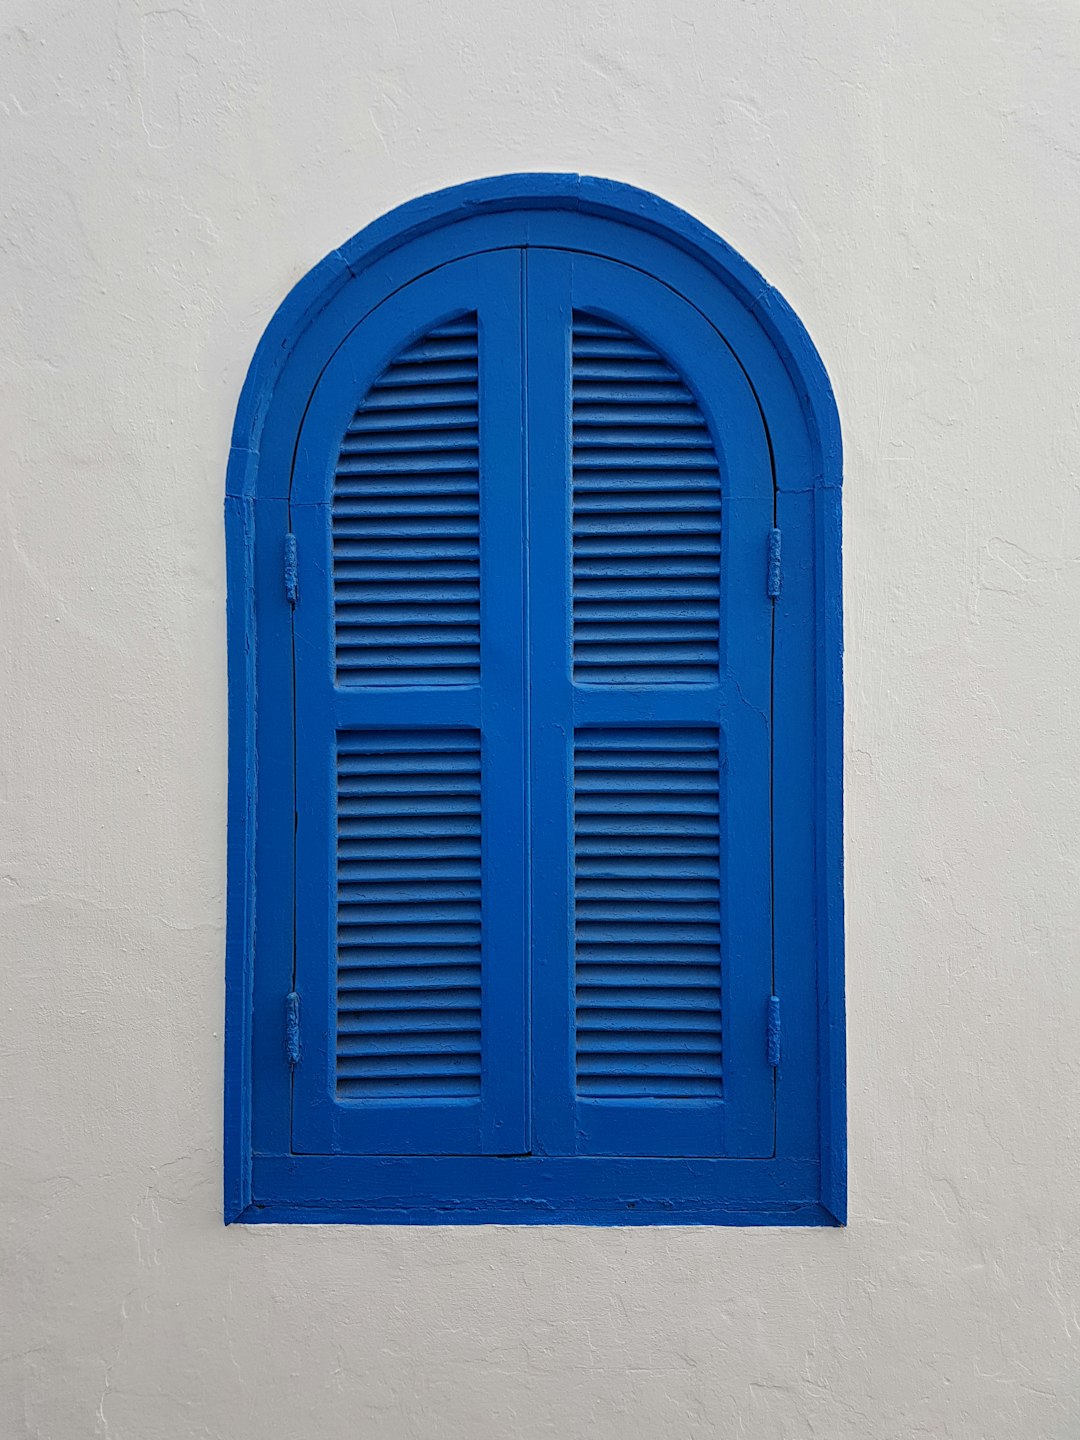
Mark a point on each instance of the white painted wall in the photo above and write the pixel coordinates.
(908, 173)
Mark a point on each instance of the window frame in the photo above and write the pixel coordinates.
(804, 1183)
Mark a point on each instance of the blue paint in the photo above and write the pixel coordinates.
(292, 1028)
(675, 640)
(536, 1145)
(409, 471)
(772, 584)
(772, 1032)
(533, 1190)
(292, 570)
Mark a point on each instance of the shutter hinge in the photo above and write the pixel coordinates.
(292, 1028)
(772, 1032)
(773, 573)
(292, 569)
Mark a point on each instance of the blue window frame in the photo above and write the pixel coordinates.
(535, 906)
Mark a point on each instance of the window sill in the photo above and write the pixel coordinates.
(533, 1190)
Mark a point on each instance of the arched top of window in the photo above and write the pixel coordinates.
(604, 216)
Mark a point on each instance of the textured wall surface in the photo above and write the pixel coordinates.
(908, 174)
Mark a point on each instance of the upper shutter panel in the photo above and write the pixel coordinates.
(406, 520)
(646, 516)
(410, 944)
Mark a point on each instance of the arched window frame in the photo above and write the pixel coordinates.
(805, 1182)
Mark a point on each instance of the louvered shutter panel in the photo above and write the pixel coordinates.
(409, 966)
(651, 494)
(648, 1009)
(411, 944)
(646, 516)
(406, 520)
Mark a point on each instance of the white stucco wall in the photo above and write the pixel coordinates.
(908, 174)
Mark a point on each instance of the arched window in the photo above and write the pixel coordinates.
(534, 608)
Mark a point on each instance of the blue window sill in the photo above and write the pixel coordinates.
(532, 1190)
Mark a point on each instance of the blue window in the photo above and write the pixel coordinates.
(535, 904)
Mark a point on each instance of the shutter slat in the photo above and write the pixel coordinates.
(354, 510)
(373, 435)
(608, 392)
(420, 397)
(647, 929)
(364, 463)
(411, 368)
(408, 950)
(365, 1047)
(604, 430)
(652, 608)
(376, 420)
(460, 505)
(405, 1022)
(613, 588)
(406, 520)
(423, 993)
(625, 415)
(629, 1023)
(683, 999)
(401, 964)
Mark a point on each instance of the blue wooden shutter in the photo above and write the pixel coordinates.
(533, 661)
(650, 506)
(411, 728)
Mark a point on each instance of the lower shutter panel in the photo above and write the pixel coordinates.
(647, 913)
(408, 915)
